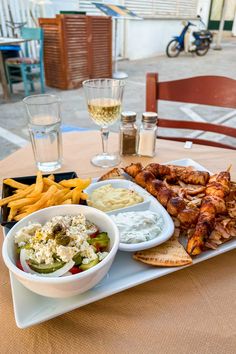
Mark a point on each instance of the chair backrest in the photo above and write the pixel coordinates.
(35, 34)
(32, 33)
(206, 90)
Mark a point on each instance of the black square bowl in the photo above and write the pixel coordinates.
(7, 191)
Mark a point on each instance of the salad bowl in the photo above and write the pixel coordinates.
(64, 286)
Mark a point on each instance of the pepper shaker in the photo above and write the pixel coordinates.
(128, 133)
(147, 134)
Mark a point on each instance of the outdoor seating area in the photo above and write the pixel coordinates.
(118, 176)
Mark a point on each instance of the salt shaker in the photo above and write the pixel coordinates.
(128, 133)
(147, 134)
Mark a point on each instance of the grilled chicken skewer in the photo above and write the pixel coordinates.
(212, 204)
(174, 204)
(171, 173)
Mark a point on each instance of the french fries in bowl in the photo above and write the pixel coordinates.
(24, 195)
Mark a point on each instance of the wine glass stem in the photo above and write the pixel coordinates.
(104, 135)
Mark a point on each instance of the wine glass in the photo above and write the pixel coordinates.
(104, 98)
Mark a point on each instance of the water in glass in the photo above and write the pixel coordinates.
(44, 123)
(46, 143)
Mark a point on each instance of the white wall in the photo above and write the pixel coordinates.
(149, 37)
(52, 7)
(203, 9)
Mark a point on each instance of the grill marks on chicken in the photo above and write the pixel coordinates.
(175, 205)
(213, 204)
(171, 173)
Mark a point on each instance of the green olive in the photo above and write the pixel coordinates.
(62, 239)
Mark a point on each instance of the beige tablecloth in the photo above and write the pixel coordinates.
(189, 311)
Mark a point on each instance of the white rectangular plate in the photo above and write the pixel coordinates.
(31, 309)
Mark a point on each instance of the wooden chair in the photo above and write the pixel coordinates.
(30, 68)
(206, 90)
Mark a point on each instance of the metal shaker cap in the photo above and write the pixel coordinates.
(149, 117)
(128, 117)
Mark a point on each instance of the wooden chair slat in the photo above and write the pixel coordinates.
(198, 141)
(206, 90)
(207, 127)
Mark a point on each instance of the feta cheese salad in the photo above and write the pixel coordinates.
(64, 245)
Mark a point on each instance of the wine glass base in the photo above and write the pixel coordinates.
(105, 160)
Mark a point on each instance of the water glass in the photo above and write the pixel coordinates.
(44, 123)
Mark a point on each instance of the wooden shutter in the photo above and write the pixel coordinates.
(54, 65)
(76, 47)
(100, 46)
(75, 41)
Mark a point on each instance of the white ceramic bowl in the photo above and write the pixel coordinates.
(68, 285)
(149, 203)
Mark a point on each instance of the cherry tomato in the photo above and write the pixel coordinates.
(18, 264)
(75, 270)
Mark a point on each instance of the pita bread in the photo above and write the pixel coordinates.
(168, 254)
(115, 173)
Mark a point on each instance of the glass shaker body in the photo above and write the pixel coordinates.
(128, 134)
(147, 135)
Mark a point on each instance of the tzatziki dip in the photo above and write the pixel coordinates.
(138, 226)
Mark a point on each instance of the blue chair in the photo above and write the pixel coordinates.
(30, 68)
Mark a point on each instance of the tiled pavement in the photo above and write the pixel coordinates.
(13, 122)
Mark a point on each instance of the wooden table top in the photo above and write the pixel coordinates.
(189, 311)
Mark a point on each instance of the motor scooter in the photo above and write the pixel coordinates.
(200, 45)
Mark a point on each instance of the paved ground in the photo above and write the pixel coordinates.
(13, 121)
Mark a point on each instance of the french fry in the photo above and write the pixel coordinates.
(42, 202)
(17, 196)
(76, 195)
(84, 196)
(67, 201)
(76, 182)
(50, 182)
(12, 214)
(14, 184)
(20, 216)
(68, 195)
(38, 185)
(51, 177)
(45, 188)
(22, 202)
(58, 197)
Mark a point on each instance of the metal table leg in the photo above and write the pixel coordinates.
(6, 93)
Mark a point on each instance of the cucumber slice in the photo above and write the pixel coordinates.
(89, 265)
(77, 259)
(45, 268)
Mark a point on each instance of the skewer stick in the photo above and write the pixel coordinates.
(229, 168)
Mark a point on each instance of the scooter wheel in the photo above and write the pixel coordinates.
(172, 50)
(202, 52)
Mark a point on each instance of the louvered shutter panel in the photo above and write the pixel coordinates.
(75, 29)
(53, 55)
(140, 7)
(86, 5)
(165, 9)
(100, 46)
(76, 47)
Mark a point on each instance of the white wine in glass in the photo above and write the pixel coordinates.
(104, 98)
